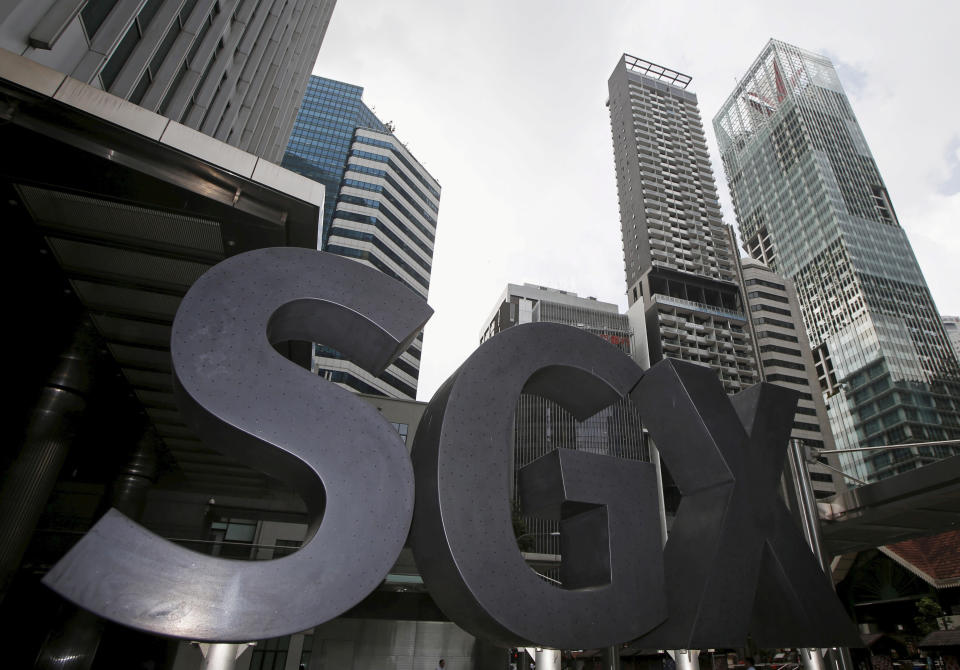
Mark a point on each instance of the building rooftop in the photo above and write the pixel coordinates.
(935, 559)
(659, 72)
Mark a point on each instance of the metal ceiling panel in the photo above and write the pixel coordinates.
(116, 329)
(104, 219)
(165, 416)
(120, 300)
(145, 379)
(132, 267)
(156, 399)
(141, 357)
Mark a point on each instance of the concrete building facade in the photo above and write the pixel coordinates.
(811, 205)
(785, 359)
(232, 69)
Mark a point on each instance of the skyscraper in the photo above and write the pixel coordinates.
(541, 425)
(232, 69)
(381, 209)
(678, 258)
(811, 204)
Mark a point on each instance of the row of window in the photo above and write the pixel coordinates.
(764, 282)
(389, 197)
(376, 262)
(784, 364)
(386, 230)
(800, 425)
(768, 296)
(370, 202)
(782, 350)
(770, 308)
(403, 175)
(403, 159)
(777, 377)
(777, 336)
(336, 231)
(773, 322)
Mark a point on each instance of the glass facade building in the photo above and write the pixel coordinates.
(329, 115)
(380, 208)
(811, 205)
(679, 262)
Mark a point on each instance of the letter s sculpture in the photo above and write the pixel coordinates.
(246, 400)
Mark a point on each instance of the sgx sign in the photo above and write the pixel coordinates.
(734, 563)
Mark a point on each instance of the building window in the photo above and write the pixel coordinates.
(285, 547)
(232, 538)
(94, 14)
(402, 429)
(270, 654)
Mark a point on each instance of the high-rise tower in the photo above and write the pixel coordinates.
(678, 258)
(381, 210)
(232, 69)
(811, 205)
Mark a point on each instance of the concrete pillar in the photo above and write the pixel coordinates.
(811, 659)
(547, 659)
(686, 659)
(75, 637)
(222, 655)
(611, 658)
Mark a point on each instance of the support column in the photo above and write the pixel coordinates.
(75, 637)
(223, 655)
(72, 642)
(611, 658)
(806, 501)
(686, 659)
(129, 491)
(811, 659)
(547, 659)
(50, 431)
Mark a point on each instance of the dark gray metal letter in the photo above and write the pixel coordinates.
(462, 536)
(736, 562)
(245, 399)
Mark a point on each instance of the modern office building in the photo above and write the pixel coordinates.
(322, 134)
(680, 265)
(232, 69)
(381, 210)
(812, 206)
(541, 425)
(785, 359)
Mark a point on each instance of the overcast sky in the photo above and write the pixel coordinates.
(503, 102)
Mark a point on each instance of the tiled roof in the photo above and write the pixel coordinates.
(942, 638)
(935, 559)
